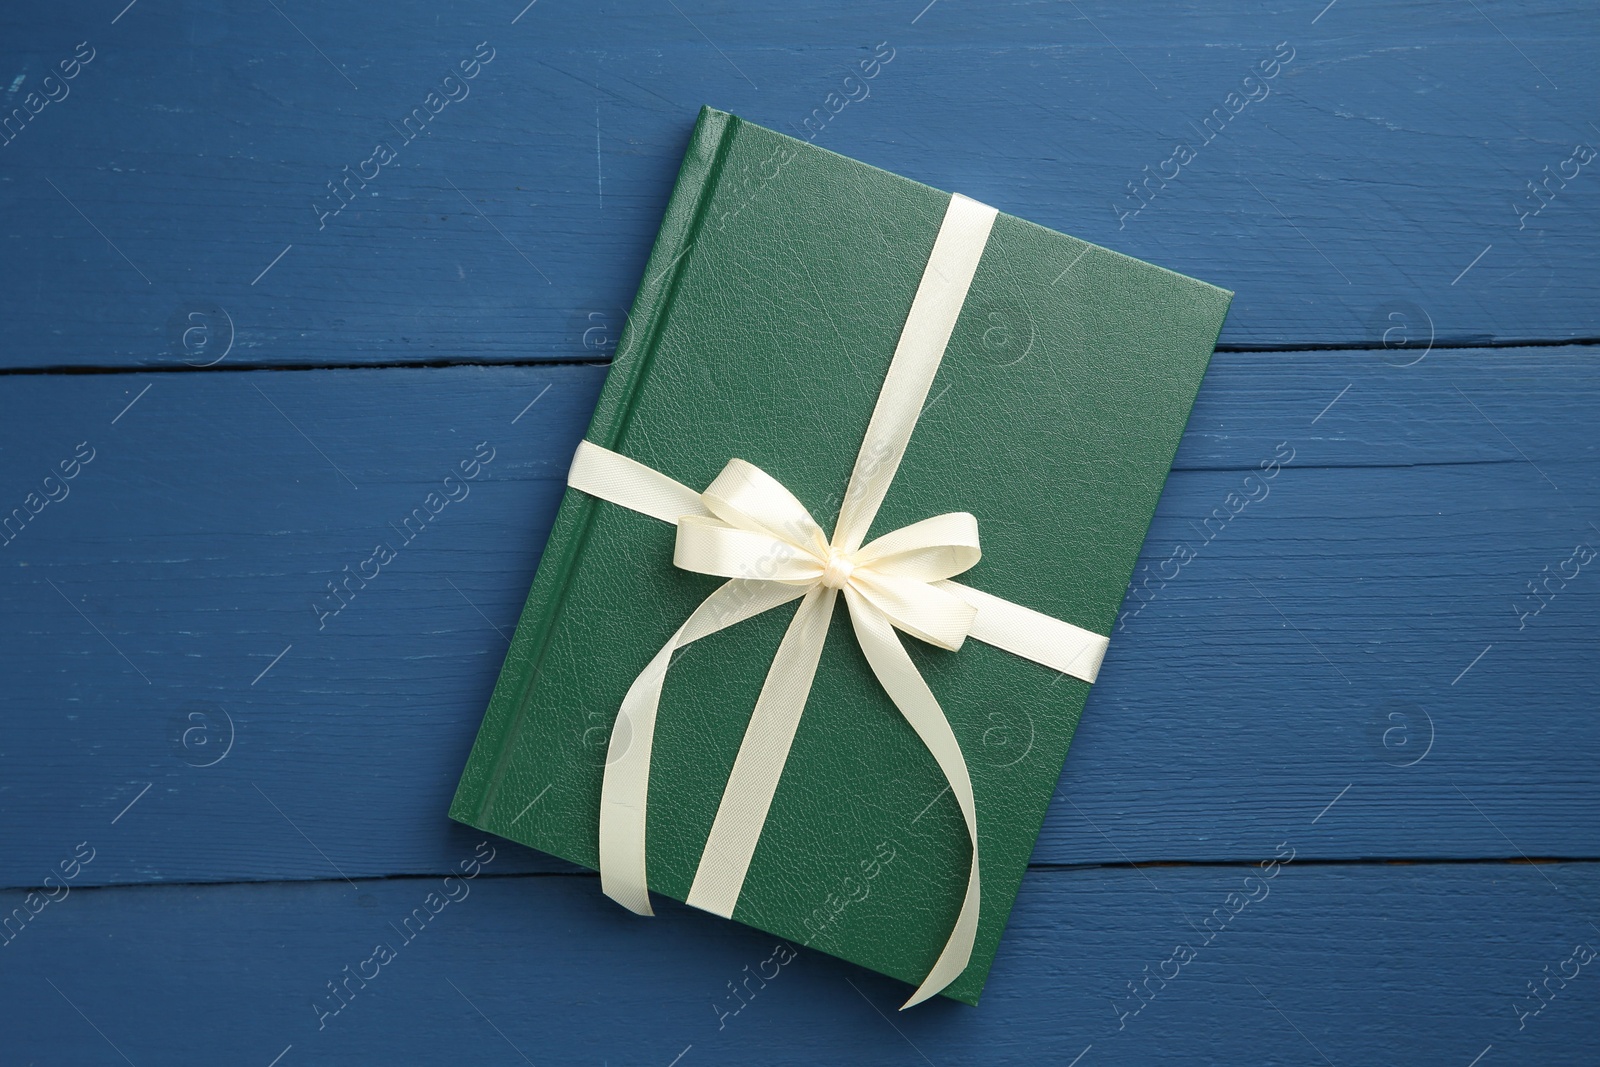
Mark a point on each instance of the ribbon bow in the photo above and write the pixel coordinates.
(747, 527)
(757, 527)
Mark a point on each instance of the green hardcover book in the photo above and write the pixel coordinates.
(763, 329)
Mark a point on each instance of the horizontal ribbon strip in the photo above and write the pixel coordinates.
(1033, 635)
(747, 527)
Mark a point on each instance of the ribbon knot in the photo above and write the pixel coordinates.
(836, 575)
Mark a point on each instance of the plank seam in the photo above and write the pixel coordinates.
(1136, 865)
(463, 361)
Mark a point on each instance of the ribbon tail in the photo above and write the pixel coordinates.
(625, 789)
(905, 686)
(747, 797)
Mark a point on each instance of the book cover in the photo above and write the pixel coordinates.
(763, 328)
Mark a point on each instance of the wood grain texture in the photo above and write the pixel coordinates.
(1349, 665)
(1374, 964)
(1316, 640)
(198, 145)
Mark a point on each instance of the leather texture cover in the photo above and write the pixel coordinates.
(763, 328)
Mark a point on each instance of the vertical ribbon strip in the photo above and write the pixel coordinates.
(747, 527)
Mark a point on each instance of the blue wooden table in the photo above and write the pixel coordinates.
(239, 343)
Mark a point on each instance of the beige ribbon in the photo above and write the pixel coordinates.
(747, 527)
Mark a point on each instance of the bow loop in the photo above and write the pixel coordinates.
(928, 551)
(710, 546)
(746, 496)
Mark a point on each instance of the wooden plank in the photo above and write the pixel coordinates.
(1338, 964)
(168, 210)
(1318, 639)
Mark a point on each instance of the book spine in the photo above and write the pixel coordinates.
(636, 349)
